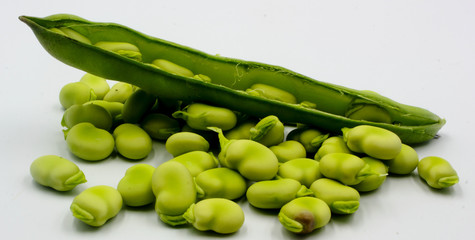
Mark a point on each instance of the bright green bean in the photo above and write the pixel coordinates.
(346, 168)
(119, 92)
(305, 214)
(437, 172)
(174, 190)
(405, 162)
(132, 142)
(216, 214)
(220, 183)
(136, 186)
(273, 194)
(183, 142)
(241, 131)
(160, 126)
(340, 198)
(310, 138)
(334, 144)
(304, 170)
(122, 48)
(251, 159)
(92, 113)
(269, 131)
(95, 205)
(197, 161)
(270, 92)
(56, 172)
(75, 93)
(288, 150)
(98, 84)
(201, 116)
(375, 181)
(171, 67)
(137, 106)
(88, 142)
(374, 141)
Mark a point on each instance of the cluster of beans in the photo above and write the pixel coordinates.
(220, 156)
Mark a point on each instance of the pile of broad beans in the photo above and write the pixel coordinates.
(218, 157)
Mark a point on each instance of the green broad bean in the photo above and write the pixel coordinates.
(160, 126)
(202, 78)
(210, 136)
(373, 141)
(119, 92)
(437, 172)
(216, 214)
(88, 142)
(270, 92)
(369, 112)
(95, 205)
(171, 67)
(340, 198)
(375, 181)
(288, 150)
(174, 191)
(310, 138)
(220, 183)
(56, 172)
(98, 84)
(269, 131)
(241, 131)
(305, 214)
(114, 108)
(201, 116)
(68, 32)
(273, 194)
(304, 170)
(405, 162)
(132, 142)
(183, 142)
(136, 186)
(346, 168)
(334, 144)
(197, 161)
(137, 106)
(122, 48)
(75, 93)
(92, 113)
(251, 159)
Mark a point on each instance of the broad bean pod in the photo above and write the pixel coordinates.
(337, 106)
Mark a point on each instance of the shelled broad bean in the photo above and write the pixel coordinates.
(196, 188)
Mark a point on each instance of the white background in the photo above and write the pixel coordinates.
(417, 52)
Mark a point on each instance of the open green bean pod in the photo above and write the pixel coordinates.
(337, 106)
